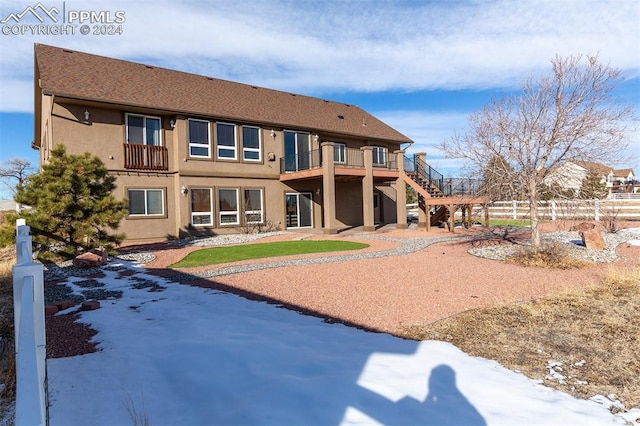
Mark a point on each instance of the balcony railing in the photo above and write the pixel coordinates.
(303, 161)
(145, 157)
(345, 157)
(348, 157)
(458, 187)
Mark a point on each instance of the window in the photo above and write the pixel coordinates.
(253, 210)
(251, 144)
(226, 139)
(143, 130)
(199, 138)
(146, 202)
(201, 207)
(297, 155)
(379, 156)
(339, 153)
(228, 206)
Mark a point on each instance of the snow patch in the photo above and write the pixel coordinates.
(197, 356)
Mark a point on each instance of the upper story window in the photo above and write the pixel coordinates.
(226, 141)
(297, 155)
(143, 130)
(251, 150)
(379, 156)
(199, 142)
(339, 153)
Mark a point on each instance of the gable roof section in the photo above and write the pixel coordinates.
(624, 173)
(78, 75)
(594, 167)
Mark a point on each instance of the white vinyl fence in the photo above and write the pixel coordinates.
(30, 343)
(623, 209)
(566, 209)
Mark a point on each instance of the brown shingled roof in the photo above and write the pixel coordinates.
(79, 75)
(594, 167)
(623, 172)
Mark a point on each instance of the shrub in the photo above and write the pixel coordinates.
(550, 255)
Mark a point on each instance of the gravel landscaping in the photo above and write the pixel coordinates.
(405, 277)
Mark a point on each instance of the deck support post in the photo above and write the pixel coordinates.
(328, 189)
(368, 214)
(401, 193)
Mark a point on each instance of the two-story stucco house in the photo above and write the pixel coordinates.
(571, 175)
(196, 155)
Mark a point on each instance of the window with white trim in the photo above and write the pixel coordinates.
(379, 156)
(146, 202)
(199, 142)
(228, 213)
(251, 144)
(253, 206)
(226, 141)
(201, 207)
(339, 153)
(143, 130)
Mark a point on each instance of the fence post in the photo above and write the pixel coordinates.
(30, 340)
(553, 209)
(596, 208)
(515, 209)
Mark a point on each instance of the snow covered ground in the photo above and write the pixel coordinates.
(191, 356)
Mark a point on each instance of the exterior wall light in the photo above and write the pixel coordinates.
(184, 190)
(86, 115)
(273, 133)
(172, 123)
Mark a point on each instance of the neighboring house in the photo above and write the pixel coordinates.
(196, 155)
(624, 181)
(571, 174)
(8, 206)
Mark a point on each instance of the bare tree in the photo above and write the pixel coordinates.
(568, 115)
(14, 172)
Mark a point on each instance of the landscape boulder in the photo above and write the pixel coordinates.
(592, 239)
(90, 305)
(91, 259)
(584, 226)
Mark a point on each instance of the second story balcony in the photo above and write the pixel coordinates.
(346, 161)
(145, 157)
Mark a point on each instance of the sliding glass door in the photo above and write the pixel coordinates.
(296, 151)
(299, 210)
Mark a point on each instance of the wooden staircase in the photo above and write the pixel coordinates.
(439, 197)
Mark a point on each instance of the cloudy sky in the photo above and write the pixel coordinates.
(421, 66)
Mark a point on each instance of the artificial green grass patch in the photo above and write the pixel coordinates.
(215, 255)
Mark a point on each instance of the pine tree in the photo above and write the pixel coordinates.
(71, 205)
(593, 188)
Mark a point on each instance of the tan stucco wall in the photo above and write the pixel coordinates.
(63, 122)
(149, 228)
(349, 203)
(388, 201)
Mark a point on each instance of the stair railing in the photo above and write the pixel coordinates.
(433, 178)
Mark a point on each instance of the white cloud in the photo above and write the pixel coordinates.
(333, 46)
(365, 46)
